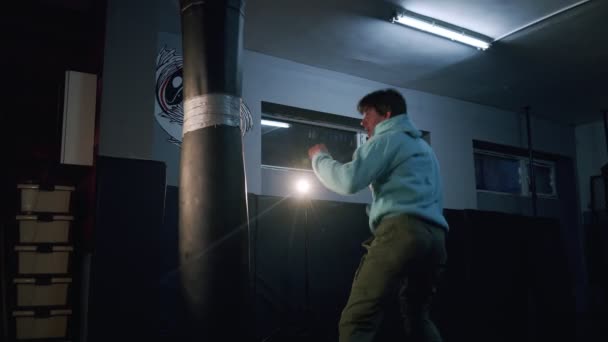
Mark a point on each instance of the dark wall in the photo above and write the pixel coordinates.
(127, 111)
(506, 280)
(564, 209)
(124, 292)
(42, 41)
(296, 239)
(278, 229)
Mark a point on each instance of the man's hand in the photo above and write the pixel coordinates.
(316, 149)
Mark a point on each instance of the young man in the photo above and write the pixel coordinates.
(407, 248)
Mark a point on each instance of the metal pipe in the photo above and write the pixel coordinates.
(3, 284)
(541, 19)
(306, 269)
(531, 177)
(605, 116)
(213, 220)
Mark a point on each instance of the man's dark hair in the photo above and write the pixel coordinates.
(386, 100)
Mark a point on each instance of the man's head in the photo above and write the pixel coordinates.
(379, 106)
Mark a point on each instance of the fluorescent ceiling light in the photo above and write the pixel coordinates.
(275, 123)
(436, 28)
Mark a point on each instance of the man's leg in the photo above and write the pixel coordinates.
(396, 243)
(419, 287)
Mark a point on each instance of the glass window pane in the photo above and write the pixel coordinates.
(498, 174)
(542, 175)
(288, 146)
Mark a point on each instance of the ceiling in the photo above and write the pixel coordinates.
(558, 66)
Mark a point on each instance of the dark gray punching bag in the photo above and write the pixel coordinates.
(213, 224)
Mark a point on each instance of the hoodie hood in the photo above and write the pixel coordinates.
(398, 123)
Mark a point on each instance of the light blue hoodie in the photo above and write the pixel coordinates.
(400, 167)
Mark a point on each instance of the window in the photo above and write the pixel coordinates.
(509, 174)
(288, 132)
(285, 143)
(497, 173)
(544, 174)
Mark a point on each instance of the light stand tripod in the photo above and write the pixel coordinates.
(301, 329)
(306, 269)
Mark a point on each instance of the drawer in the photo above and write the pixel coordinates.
(43, 259)
(47, 229)
(37, 199)
(36, 325)
(37, 292)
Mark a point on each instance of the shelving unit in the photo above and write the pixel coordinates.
(39, 280)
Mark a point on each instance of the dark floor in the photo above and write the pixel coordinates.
(592, 328)
(589, 328)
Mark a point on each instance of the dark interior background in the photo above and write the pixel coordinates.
(507, 278)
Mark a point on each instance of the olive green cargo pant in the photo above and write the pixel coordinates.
(406, 252)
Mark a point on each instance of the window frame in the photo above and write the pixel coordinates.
(523, 171)
(360, 136)
(552, 175)
(289, 114)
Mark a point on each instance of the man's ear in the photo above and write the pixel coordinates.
(389, 114)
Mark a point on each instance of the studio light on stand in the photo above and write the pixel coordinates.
(302, 186)
(299, 329)
(302, 329)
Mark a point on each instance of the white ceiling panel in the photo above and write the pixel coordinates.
(557, 65)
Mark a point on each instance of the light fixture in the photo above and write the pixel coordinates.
(436, 27)
(302, 186)
(275, 124)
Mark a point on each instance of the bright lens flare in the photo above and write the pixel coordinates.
(302, 186)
